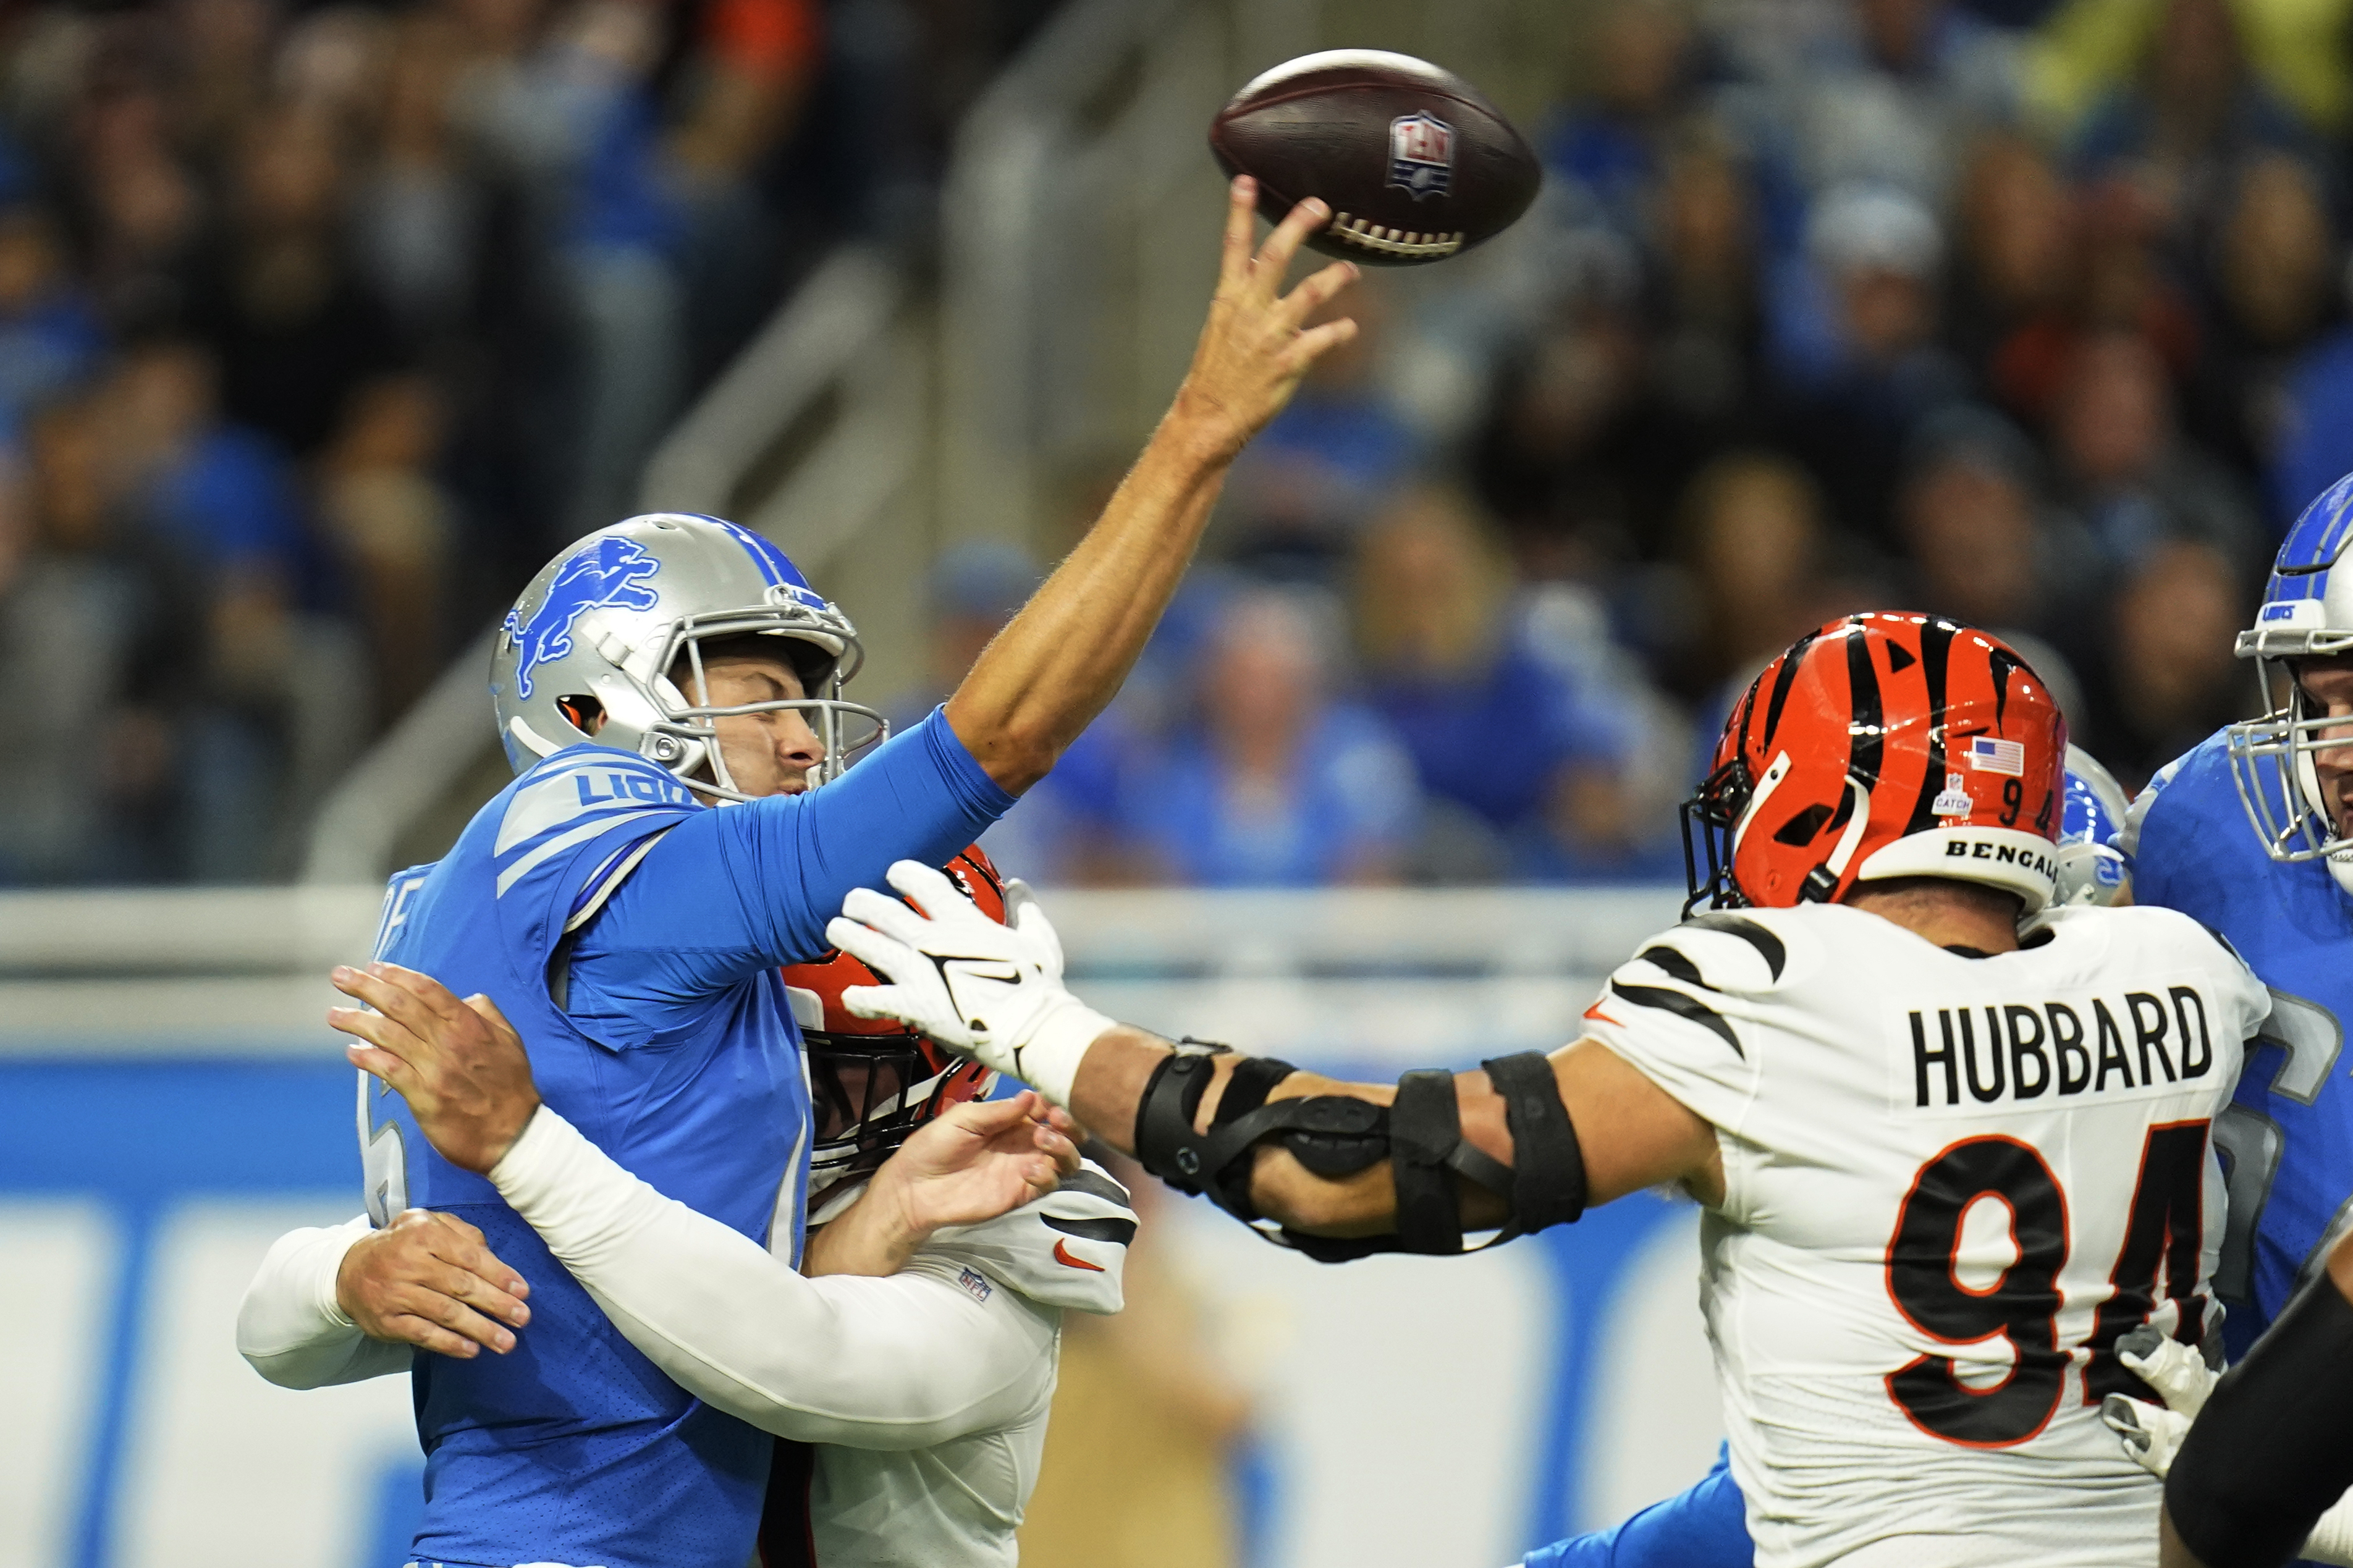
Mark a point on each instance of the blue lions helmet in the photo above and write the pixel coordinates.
(606, 626)
(2308, 613)
(2091, 868)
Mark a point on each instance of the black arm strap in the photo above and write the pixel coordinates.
(1548, 1163)
(1338, 1135)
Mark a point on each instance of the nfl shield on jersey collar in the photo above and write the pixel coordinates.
(1067, 1250)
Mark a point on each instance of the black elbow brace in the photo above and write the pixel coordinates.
(2272, 1450)
(1337, 1135)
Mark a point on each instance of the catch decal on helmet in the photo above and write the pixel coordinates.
(872, 1080)
(1881, 746)
(607, 642)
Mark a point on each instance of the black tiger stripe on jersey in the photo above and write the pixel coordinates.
(1097, 1186)
(1676, 964)
(1683, 1006)
(1768, 947)
(1121, 1231)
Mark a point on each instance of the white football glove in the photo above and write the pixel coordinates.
(2151, 1434)
(992, 992)
(2183, 1377)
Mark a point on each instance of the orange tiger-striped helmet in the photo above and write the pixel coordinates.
(872, 1081)
(1881, 745)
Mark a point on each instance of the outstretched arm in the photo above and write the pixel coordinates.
(1631, 1134)
(996, 992)
(1050, 672)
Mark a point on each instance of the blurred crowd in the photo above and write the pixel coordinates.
(2028, 312)
(322, 325)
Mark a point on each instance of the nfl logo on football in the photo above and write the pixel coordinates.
(1421, 155)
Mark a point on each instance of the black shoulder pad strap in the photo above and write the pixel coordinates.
(1547, 1165)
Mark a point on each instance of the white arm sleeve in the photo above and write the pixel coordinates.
(936, 1352)
(2331, 1539)
(291, 1328)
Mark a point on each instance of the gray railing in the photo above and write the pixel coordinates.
(243, 971)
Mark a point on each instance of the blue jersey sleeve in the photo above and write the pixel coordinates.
(1706, 1527)
(727, 893)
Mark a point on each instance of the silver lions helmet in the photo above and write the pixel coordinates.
(2094, 867)
(2308, 613)
(606, 624)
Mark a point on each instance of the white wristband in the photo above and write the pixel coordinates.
(1049, 1060)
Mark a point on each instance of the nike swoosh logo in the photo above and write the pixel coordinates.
(1062, 1256)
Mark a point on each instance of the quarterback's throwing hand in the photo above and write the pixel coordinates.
(1256, 345)
(992, 992)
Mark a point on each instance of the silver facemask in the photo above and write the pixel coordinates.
(2308, 613)
(612, 619)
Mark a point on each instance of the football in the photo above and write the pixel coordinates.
(1414, 165)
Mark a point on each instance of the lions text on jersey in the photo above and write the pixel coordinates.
(633, 937)
(2287, 1140)
(1951, 1184)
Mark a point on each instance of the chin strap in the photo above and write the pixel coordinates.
(1335, 1136)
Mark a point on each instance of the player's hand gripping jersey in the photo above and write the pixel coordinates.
(1951, 1182)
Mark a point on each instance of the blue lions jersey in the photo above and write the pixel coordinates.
(2287, 1140)
(632, 935)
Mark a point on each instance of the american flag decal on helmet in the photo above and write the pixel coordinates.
(1988, 755)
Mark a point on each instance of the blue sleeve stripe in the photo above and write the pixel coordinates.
(547, 849)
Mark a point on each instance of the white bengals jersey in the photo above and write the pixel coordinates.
(1950, 1184)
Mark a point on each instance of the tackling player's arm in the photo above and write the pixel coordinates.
(1628, 1133)
(905, 1360)
(1524, 1143)
(345, 1303)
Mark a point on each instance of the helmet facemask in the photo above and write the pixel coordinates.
(683, 735)
(2273, 761)
(1708, 817)
(869, 1092)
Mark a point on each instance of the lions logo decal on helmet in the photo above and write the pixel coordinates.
(611, 571)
